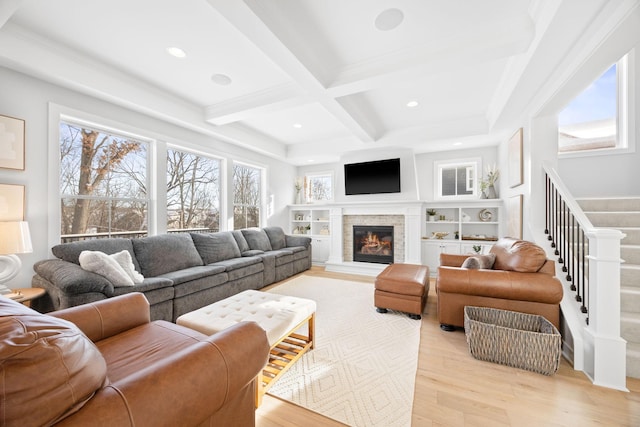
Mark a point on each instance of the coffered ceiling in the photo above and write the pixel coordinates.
(306, 80)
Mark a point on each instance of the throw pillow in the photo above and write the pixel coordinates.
(484, 262)
(102, 264)
(126, 262)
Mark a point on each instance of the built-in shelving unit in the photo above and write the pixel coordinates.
(314, 222)
(460, 226)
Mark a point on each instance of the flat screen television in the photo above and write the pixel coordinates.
(380, 176)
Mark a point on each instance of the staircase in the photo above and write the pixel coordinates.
(624, 214)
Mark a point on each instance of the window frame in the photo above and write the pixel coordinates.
(85, 120)
(625, 113)
(261, 198)
(320, 174)
(468, 163)
(221, 182)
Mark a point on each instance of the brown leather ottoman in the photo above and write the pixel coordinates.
(402, 287)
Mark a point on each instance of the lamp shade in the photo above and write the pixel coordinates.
(15, 238)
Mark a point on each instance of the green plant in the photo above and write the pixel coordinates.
(431, 212)
(477, 248)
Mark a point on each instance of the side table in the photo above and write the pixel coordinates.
(25, 295)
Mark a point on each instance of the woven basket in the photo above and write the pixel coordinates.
(520, 340)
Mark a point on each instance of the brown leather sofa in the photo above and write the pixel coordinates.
(106, 364)
(521, 279)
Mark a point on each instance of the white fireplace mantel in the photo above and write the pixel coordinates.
(412, 212)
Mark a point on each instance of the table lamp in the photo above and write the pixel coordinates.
(14, 239)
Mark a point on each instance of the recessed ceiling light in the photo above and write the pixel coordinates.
(221, 79)
(457, 143)
(310, 161)
(412, 104)
(389, 19)
(297, 125)
(176, 51)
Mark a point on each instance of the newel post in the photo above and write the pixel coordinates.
(605, 350)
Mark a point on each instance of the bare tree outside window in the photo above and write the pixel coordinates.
(319, 187)
(246, 196)
(103, 184)
(193, 192)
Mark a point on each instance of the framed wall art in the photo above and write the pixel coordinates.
(514, 217)
(515, 159)
(11, 143)
(11, 202)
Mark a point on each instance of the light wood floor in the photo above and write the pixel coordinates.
(454, 389)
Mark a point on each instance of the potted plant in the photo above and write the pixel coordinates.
(488, 186)
(477, 248)
(432, 214)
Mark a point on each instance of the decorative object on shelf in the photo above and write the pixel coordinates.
(515, 159)
(298, 186)
(487, 186)
(324, 231)
(440, 234)
(456, 234)
(432, 214)
(307, 229)
(11, 143)
(16, 239)
(477, 248)
(466, 217)
(485, 215)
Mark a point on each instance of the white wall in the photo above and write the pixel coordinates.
(28, 98)
(425, 166)
(417, 172)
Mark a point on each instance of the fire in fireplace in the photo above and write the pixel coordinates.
(373, 244)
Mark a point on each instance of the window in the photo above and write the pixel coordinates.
(193, 192)
(247, 196)
(456, 179)
(103, 183)
(596, 120)
(319, 187)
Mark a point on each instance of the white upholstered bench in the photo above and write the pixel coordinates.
(279, 315)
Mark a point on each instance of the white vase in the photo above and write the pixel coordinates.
(298, 197)
(491, 192)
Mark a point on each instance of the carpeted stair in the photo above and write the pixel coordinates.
(624, 214)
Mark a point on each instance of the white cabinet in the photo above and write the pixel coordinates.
(461, 226)
(320, 249)
(314, 222)
(431, 250)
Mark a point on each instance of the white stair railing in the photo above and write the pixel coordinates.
(589, 259)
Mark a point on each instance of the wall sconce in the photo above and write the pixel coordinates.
(14, 239)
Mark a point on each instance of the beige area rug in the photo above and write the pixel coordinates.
(363, 367)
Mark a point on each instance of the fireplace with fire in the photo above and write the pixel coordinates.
(373, 244)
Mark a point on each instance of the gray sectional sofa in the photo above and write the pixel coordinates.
(182, 271)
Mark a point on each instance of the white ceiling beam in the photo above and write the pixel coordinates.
(245, 20)
(264, 102)
(477, 46)
(7, 9)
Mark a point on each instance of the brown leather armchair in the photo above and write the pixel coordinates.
(106, 364)
(522, 279)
